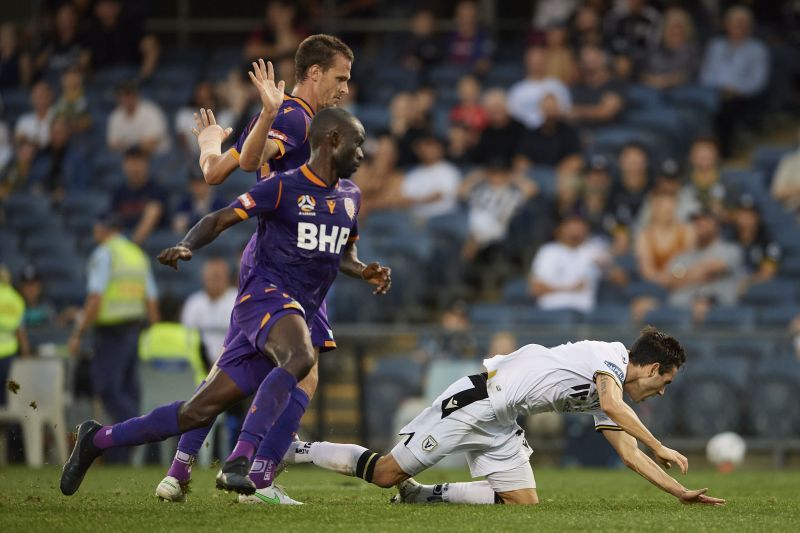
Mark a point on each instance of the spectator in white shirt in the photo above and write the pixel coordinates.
(565, 273)
(35, 126)
(431, 188)
(525, 97)
(136, 122)
(209, 310)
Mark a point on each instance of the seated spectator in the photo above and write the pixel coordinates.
(667, 180)
(63, 164)
(200, 200)
(469, 45)
(203, 97)
(762, 254)
(554, 144)
(278, 35)
(469, 111)
(136, 122)
(38, 313)
(460, 145)
(19, 171)
(675, 60)
(432, 186)
(709, 274)
(586, 27)
(561, 62)
(423, 48)
(16, 67)
(525, 97)
(410, 119)
(379, 178)
(73, 105)
(35, 126)
(661, 239)
(737, 66)
(116, 37)
(209, 309)
(595, 199)
(140, 203)
(6, 147)
(704, 190)
(565, 273)
(64, 48)
(629, 30)
(501, 130)
(786, 182)
(598, 99)
(630, 194)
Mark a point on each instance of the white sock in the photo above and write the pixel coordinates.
(341, 458)
(472, 492)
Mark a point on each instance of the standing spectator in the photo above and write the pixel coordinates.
(704, 190)
(116, 38)
(469, 45)
(737, 66)
(35, 126)
(423, 48)
(73, 105)
(663, 237)
(140, 203)
(200, 200)
(278, 35)
(209, 310)
(501, 131)
(598, 99)
(431, 186)
(786, 182)
(65, 48)
(38, 313)
(469, 111)
(205, 98)
(709, 274)
(121, 297)
(13, 339)
(16, 68)
(762, 254)
(554, 144)
(630, 31)
(525, 97)
(136, 122)
(63, 164)
(565, 273)
(675, 60)
(561, 62)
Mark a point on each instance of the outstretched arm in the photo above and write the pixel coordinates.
(628, 450)
(215, 165)
(202, 233)
(373, 273)
(257, 148)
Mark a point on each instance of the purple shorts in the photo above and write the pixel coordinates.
(244, 365)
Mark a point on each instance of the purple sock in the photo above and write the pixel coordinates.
(271, 400)
(181, 467)
(188, 448)
(155, 426)
(275, 444)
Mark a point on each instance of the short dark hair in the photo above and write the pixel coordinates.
(330, 118)
(653, 346)
(319, 49)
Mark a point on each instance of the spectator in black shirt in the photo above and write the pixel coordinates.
(555, 143)
(15, 65)
(140, 202)
(629, 32)
(761, 254)
(502, 131)
(628, 198)
(598, 99)
(65, 48)
(423, 48)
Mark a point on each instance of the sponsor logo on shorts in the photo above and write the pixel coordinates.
(429, 444)
(247, 201)
(616, 370)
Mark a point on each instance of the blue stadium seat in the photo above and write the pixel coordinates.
(752, 349)
(545, 177)
(739, 318)
(772, 293)
(26, 204)
(505, 74)
(61, 268)
(389, 81)
(29, 223)
(492, 315)
(776, 413)
(349, 301)
(90, 201)
(766, 159)
(718, 386)
(642, 97)
(669, 318)
(80, 223)
(530, 315)
(442, 373)
(743, 179)
(777, 317)
(64, 293)
(694, 96)
(415, 245)
(158, 240)
(696, 347)
(111, 77)
(660, 119)
(44, 244)
(402, 368)
(9, 244)
(609, 315)
(790, 267)
(451, 225)
(375, 118)
(636, 289)
(387, 222)
(660, 415)
(515, 291)
(446, 75)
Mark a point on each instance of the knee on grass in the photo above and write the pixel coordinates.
(518, 497)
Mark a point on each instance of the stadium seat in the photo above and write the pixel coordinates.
(49, 334)
(9, 244)
(44, 244)
(492, 315)
(505, 74)
(546, 178)
(86, 202)
(402, 368)
(743, 179)
(776, 413)
(80, 223)
(642, 97)
(636, 289)
(375, 118)
(773, 293)
(111, 77)
(516, 292)
(383, 223)
(694, 96)
(660, 415)
(660, 119)
(718, 385)
(790, 267)
(609, 315)
(451, 225)
(533, 316)
(446, 75)
(158, 240)
(64, 293)
(777, 317)
(766, 159)
(30, 223)
(738, 318)
(26, 204)
(696, 347)
(442, 374)
(669, 318)
(751, 349)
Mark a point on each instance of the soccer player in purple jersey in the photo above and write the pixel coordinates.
(273, 141)
(307, 227)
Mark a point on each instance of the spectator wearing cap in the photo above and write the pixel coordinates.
(136, 122)
(199, 200)
(121, 297)
(140, 202)
(762, 254)
(707, 275)
(38, 313)
(35, 126)
(786, 182)
(553, 144)
(431, 188)
(525, 97)
(704, 190)
(598, 99)
(13, 338)
(565, 272)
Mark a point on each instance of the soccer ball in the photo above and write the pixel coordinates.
(726, 451)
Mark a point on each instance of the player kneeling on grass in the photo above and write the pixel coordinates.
(477, 415)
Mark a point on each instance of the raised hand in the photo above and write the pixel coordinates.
(271, 94)
(375, 274)
(666, 456)
(699, 496)
(206, 127)
(171, 256)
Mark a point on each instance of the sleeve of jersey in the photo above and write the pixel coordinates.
(264, 197)
(601, 422)
(288, 131)
(354, 230)
(236, 150)
(611, 362)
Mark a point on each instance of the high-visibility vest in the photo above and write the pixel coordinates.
(12, 310)
(167, 341)
(124, 299)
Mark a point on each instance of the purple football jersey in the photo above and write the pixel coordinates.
(303, 227)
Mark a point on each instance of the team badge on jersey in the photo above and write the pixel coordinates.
(306, 203)
(350, 208)
(247, 201)
(429, 444)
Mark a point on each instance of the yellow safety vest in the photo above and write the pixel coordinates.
(12, 311)
(124, 299)
(173, 341)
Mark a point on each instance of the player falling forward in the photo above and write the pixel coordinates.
(477, 415)
(275, 140)
(307, 227)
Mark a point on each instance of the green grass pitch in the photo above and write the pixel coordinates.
(117, 499)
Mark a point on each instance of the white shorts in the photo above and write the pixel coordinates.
(462, 420)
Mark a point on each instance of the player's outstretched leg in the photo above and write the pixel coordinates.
(288, 344)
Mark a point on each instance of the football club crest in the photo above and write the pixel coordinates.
(306, 203)
(429, 444)
(350, 208)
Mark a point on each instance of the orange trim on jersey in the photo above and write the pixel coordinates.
(265, 320)
(245, 298)
(293, 305)
(242, 213)
(270, 289)
(308, 173)
(264, 171)
(353, 239)
(280, 193)
(300, 101)
(281, 148)
(329, 344)
(234, 153)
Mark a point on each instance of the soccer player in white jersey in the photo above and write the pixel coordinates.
(477, 415)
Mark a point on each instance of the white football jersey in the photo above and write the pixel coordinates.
(535, 379)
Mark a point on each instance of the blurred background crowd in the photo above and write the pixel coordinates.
(534, 172)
